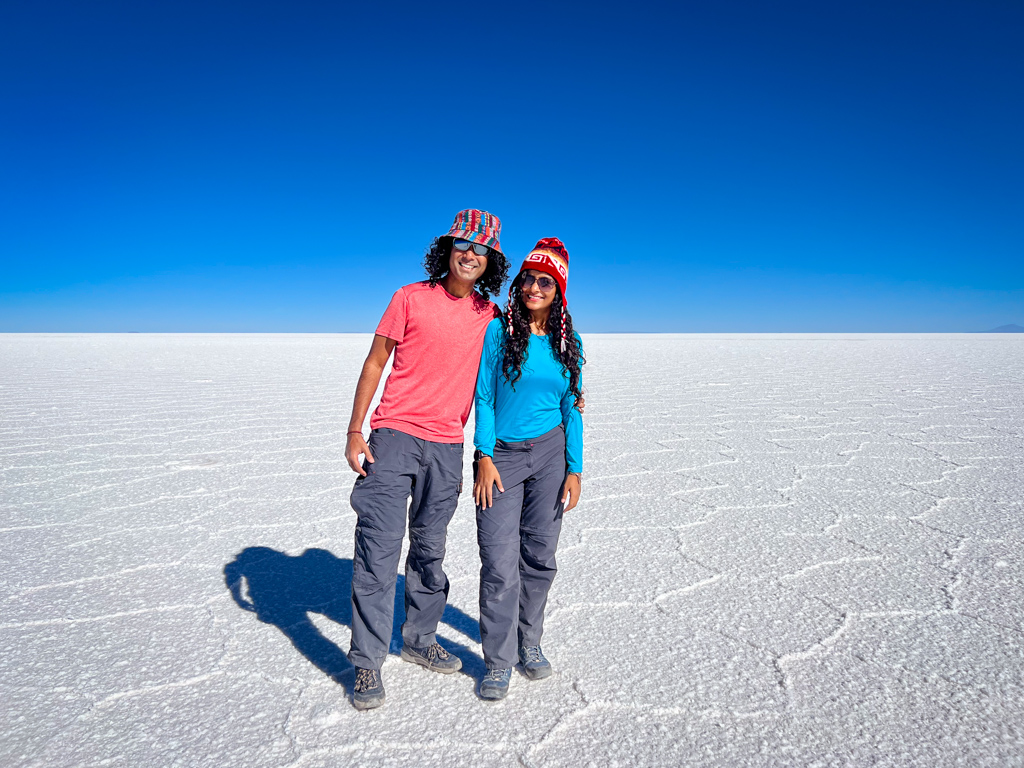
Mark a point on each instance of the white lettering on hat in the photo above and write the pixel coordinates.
(544, 258)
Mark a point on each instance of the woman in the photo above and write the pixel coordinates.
(529, 440)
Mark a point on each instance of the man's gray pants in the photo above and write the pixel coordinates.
(518, 537)
(431, 473)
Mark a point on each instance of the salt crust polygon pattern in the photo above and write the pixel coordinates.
(791, 550)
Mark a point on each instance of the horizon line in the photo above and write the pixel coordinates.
(582, 333)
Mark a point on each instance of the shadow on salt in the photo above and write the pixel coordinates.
(283, 590)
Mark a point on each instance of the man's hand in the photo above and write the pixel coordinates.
(354, 447)
(571, 492)
(487, 477)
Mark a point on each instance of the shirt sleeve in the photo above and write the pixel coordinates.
(572, 421)
(392, 324)
(486, 388)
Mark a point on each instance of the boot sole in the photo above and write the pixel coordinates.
(427, 665)
(493, 695)
(365, 704)
(537, 674)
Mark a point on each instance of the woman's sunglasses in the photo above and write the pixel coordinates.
(464, 245)
(544, 283)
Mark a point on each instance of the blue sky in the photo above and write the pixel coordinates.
(711, 167)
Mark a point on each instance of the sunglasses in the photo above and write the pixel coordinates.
(544, 283)
(464, 245)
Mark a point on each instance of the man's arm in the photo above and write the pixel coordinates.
(369, 379)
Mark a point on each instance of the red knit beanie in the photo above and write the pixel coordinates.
(549, 256)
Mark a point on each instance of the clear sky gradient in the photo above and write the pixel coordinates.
(712, 167)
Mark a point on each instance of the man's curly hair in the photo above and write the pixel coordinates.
(438, 257)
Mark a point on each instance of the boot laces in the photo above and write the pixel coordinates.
(435, 652)
(533, 653)
(366, 679)
(496, 674)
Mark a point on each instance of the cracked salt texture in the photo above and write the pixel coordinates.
(790, 550)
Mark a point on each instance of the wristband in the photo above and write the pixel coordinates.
(354, 432)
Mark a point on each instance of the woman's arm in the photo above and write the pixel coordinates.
(572, 422)
(484, 436)
(486, 385)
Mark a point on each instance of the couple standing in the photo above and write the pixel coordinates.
(524, 363)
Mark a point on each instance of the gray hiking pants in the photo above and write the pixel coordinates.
(518, 536)
(431, 473)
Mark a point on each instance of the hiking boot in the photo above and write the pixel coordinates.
(494, 686)
(369, 689)
(534, 664)
(433, 657)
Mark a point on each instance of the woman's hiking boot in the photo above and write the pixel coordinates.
(494, 686)
(535, 666)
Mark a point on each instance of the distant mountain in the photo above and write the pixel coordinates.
(1007, 329)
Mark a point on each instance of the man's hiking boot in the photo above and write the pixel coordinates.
(534, 664)
(433, 657)
(369, 690)
(494, 686)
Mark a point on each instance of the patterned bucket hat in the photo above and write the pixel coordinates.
(477, 227)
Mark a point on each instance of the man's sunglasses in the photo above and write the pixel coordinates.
(544, 283)
(464, 245)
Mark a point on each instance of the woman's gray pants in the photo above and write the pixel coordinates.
(431, 473)
(518, 536)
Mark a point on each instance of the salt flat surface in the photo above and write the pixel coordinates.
(791, 550)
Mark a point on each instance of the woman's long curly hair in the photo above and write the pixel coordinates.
(437, 260)
(517, 343)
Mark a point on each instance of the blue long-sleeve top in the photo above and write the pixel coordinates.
(540, 401)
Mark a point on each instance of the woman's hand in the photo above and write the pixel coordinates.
(486, 478)
(355, 445)
(571, 491)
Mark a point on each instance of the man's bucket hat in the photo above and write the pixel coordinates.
(477, 227)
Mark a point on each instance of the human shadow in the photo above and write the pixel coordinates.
(284, 590)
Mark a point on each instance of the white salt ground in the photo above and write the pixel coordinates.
(791, 550)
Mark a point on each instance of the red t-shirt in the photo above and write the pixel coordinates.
(430, 390)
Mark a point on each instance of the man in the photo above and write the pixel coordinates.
(436, 330)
